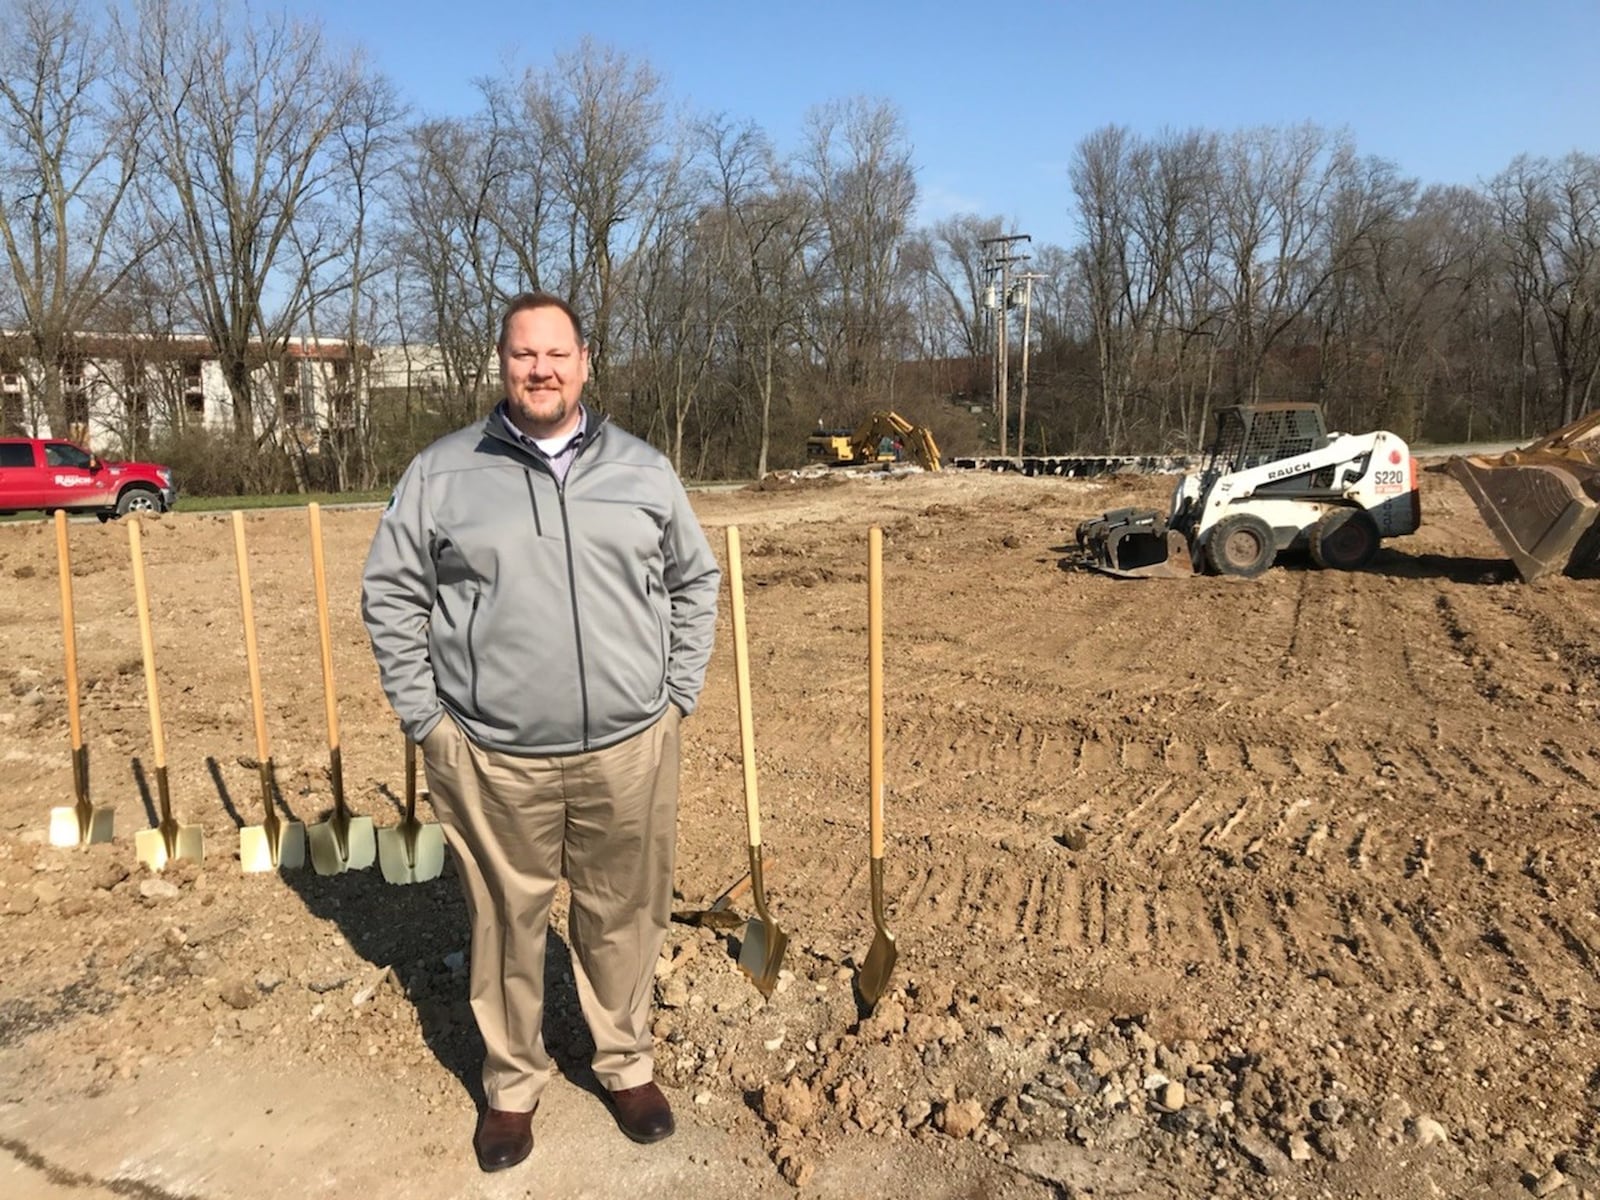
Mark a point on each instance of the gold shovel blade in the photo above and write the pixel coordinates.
(150, 846)
(361, 844)
(259, 851)
(761, 953)
(417, 863)
(873, 980)
(66, 826)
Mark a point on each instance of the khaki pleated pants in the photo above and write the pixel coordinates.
(514, 824)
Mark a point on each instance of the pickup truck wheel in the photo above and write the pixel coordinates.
(1241, 545)
(1345, 539)
(138, 500)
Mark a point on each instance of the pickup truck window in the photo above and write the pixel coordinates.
(64, 454)
(16, 454)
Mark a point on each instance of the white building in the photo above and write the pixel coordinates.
(120, 388)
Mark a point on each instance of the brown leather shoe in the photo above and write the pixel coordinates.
(503, 1139)
(643, 1113)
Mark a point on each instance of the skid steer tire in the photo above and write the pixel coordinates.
(1345, 539)
(1241, 545)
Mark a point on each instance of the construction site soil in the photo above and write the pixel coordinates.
(1284, 887)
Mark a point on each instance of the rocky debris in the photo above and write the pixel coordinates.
(108, 872)
(1548, 1183)
(1425, 1131)
(157, 889)
(788, 1103)
(1582, 1169)
(794, 1165)
(238, 994)
(960, 1118)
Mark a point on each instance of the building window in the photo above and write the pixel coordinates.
(194, 392)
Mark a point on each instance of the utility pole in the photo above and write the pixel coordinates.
(1027, 316)
(998, 258)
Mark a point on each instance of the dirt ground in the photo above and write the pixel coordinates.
(1284, 887)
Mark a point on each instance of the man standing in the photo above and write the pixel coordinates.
(541, 602)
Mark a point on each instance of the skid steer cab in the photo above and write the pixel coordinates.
(1274, 478)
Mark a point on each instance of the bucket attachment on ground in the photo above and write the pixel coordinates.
(1541, 501)
(411, 852)
(1136, 544)
(80, 824)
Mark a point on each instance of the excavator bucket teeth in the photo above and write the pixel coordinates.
(1538, 508)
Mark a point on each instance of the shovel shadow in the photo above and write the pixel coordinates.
(152, 816)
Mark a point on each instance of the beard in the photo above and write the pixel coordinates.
(542, 411)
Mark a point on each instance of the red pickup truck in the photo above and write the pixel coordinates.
(49, 473)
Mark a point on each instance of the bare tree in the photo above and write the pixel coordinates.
(1277, 192)
(1142, 205)
(948, 258)
(456, 262)
(68, 158)
(1549, 217)
(772, 227)
(856, 163)
(601, 117)
(247, 111)
(368, 144)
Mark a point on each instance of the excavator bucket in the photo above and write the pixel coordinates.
(1541, 501)
(1136, 544)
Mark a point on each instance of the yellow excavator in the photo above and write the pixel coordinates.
(1541, 502)
(883, 437)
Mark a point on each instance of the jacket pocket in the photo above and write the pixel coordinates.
(655, 593)
(472, 651)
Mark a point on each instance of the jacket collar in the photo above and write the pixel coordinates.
(494, 426)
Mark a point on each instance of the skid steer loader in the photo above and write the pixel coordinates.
(1273, 478)
(1541, 501)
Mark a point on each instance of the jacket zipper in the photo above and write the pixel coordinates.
(572, 574)
(572, 593)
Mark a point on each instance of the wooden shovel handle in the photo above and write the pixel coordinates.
(147, 642)
(252, 653)
(875, 685)
(411, 781)
(741, 670)
(69, 632)
(319, 575)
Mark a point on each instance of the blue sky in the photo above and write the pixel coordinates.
(996, 96)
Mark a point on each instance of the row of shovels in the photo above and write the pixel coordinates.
(763, 944)
(410, 852)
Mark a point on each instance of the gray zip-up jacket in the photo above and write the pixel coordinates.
(545, 617)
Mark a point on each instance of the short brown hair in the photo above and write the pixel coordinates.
(524, 301)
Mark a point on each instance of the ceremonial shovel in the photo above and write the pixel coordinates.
(873, 978)
(343, 842)
(82, 823)
(274, 843)
(168, 840)
(761, 952)
(411, 852)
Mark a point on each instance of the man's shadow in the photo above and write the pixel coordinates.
(421, 932)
